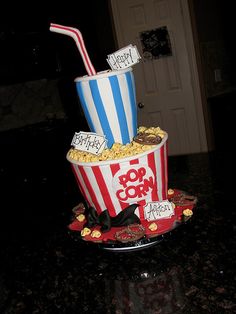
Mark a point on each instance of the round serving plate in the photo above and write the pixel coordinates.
(132, 246)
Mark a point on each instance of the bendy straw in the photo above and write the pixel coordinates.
(77, 36)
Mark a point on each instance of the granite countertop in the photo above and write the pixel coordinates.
(45, 270)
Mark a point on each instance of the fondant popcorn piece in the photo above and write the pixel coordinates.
(80, 217)
(96, 234)
(171, 191)
(85, 231)
(152, 226)
(187, 212)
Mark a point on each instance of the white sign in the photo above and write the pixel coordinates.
(134, 183)
(124, 58)
(158, 210)
(89, 142)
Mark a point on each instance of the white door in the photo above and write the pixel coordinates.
(167, 87)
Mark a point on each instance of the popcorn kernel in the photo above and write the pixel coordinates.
(171, 191)
(152, 226)
(96, 234)
(80, 217)
(187, 212)
(85, 231)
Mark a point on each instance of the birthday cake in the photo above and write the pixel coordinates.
(121, 169)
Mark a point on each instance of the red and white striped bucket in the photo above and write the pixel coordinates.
(116, 184)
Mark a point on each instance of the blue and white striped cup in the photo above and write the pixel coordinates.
(108, 100)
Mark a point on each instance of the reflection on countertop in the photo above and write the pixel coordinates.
(45, 270)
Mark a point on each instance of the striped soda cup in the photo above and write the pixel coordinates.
(108, 100)
(116, 184)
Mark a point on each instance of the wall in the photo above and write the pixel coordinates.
(38, 67)
(29, 103)
(213, 27)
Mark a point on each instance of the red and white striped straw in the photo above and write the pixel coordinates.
(77, 36)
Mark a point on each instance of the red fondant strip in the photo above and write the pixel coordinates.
(166, 168)
(163, 172)
(80, 183)
(90, 189)
(141, 209)
(151, 164)
(134, 161)
(103, 190)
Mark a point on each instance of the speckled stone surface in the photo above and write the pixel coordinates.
(45, 270)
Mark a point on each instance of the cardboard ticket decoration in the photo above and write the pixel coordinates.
(89, 142)
(158, 210)
(124, 58)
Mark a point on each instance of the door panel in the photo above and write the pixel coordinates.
(164, 84)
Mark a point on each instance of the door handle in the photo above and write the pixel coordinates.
(140, 105)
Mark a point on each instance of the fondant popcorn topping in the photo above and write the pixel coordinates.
(149, 136)
(118, 151)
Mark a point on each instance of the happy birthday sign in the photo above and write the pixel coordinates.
(124, 58)
(158, 210)
(89, 142)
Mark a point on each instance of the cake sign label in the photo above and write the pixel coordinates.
(124, 58)
(133, 184)
(158, 210)
(89, 142)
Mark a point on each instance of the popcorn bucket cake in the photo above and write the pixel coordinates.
(113, 185)
(126, 193)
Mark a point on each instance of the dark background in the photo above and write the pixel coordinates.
(28, 50)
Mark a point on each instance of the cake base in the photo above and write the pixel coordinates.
(135, 236)
(141, 244)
